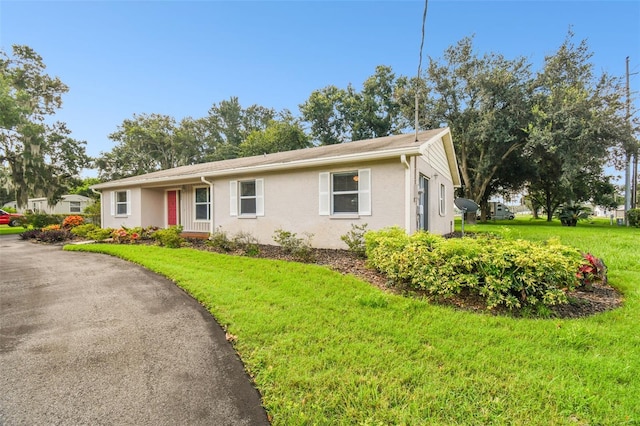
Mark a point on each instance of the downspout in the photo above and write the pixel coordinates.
(407, 193)
(211, 229)
(101, 206)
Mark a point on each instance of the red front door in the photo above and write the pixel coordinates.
(172, 208)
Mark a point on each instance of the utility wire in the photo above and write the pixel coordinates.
(424, 20)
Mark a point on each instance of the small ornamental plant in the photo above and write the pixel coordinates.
(593, 270)
(51, 228)
(125, 236)
(72, 221)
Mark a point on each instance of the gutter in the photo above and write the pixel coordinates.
(407, 193)
(210, 204)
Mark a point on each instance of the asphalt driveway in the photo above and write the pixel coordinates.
(91, 339)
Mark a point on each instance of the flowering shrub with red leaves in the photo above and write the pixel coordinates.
(127, 236)
(591, 271)
(72, 221)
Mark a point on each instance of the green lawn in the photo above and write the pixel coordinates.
(324, 348)
(6, 229)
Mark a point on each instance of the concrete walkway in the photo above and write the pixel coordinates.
(90, 339)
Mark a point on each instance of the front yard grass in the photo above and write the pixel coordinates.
(326, 348)
(7, 230)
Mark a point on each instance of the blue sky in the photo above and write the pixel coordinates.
(180, 57)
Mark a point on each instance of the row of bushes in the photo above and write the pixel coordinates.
(170, 237)
(509, 273)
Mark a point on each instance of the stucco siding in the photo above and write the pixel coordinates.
(112, 220)
(291, 203)
(153, 212)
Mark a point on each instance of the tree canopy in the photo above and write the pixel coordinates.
(41, 157)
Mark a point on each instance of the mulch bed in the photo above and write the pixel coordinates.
(601, 297)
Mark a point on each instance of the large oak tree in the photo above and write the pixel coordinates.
(41, 157)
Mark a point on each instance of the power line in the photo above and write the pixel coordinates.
(424, 20)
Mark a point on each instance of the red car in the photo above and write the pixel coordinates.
(11, 219)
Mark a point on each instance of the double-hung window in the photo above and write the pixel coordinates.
(246, 197)
(345, 193)
(203, 203)
(443, 198)
(74, 207)
(121, 203)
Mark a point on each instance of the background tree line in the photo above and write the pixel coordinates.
(550, 132)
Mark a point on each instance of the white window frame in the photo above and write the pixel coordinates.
(196, 203)
(115, 203)
(326, 193)
(235, 198)
(443, 197)
(75, 207)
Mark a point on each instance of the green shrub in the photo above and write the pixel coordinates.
(247, 243)
(509, 273)
(169, 237)
(220, 241)
(300, 248)
(99, 234)
(633, 216)
(40, 220)
(354, 239)
(9, 209)
(83, 231)
(92, 213)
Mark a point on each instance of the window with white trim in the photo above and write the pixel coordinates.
(345, 193)
(121, 203)
(202, 199)
(246, 197)
(443, 204)
(74, 207)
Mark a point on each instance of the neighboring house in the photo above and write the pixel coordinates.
(68, 204)
(380, 182)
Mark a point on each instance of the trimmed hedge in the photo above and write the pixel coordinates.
(510, 273)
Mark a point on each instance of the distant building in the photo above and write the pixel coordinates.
(69, 204)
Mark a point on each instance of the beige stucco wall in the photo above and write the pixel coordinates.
(292, 204)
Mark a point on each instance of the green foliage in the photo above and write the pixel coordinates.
(342, 115)
(9, 209)
(99, 234)
(92, 213)
(354, 239)
(169, 237)
(221, 241)
(633, 216)
(40, 220)
(40, 157)
(279, 136)
(243, 241)
(300, 248)
(509, 273)
(83, 231)
(246, 242)
(570, 215)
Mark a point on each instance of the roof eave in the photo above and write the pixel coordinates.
(313, 162)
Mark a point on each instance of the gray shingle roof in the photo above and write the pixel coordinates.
(370, 148)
